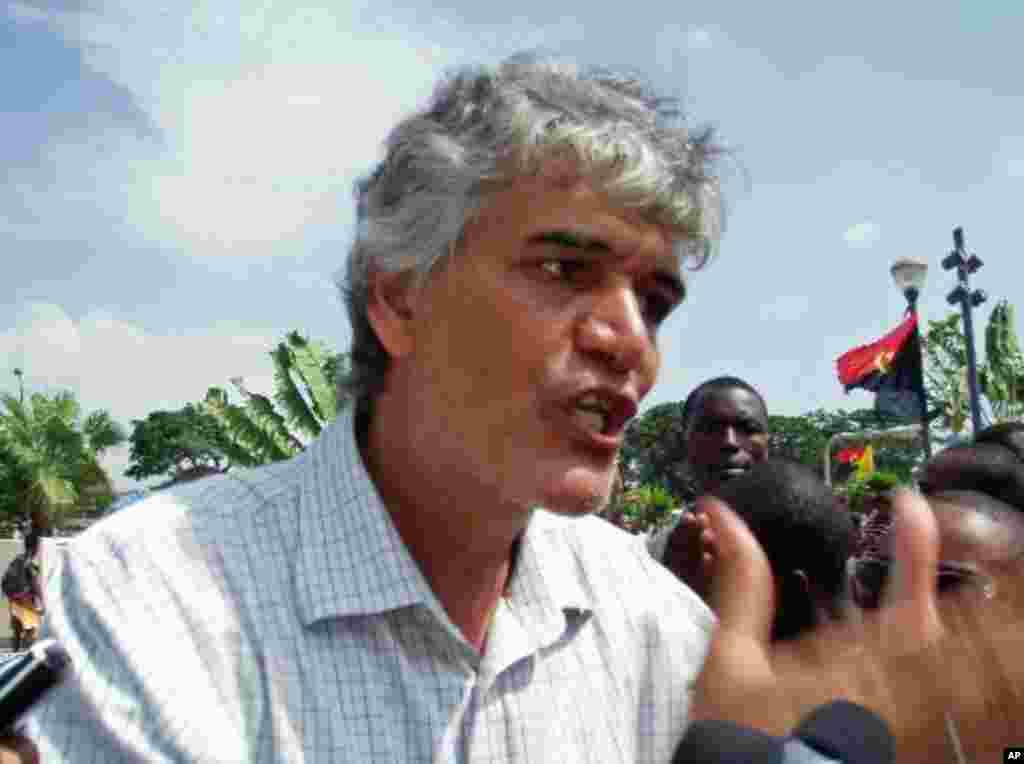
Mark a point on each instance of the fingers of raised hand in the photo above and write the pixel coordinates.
(742, 592)
(17, 749)
(908, 618)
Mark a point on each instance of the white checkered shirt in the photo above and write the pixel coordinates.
(276, 616)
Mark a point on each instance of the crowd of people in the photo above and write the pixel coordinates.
(428, 580)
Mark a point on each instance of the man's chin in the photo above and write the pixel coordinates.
(577, 507)
(716, 480)
(577, 497)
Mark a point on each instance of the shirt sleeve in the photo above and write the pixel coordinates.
(118, 611)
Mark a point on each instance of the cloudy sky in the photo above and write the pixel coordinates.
(175, 177)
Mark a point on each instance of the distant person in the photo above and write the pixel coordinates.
(23, 589)
(724, 433)
(805, 534)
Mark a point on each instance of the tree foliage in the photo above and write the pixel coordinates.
(261, 429)
(640, 509)
(49, 455)
(1000, 375)
(805, 438)
(652, 450)
(177, 443)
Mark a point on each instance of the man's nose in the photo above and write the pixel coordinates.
(616, 329)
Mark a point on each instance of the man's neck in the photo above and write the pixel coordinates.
(460, 543)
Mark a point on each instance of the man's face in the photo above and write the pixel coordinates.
(728, 434)
(976, 548)
(533, 345)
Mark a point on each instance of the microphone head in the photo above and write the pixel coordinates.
(721, 742)
(838, 730)
(849, 732)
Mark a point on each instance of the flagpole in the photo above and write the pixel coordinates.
(909, 275)
(919, 382)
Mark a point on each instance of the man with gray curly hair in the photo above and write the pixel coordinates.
(426, 581)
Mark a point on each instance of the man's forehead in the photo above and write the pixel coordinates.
(730, 403)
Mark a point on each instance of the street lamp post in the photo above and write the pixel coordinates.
(909, 275)
(966, 265)
(21, 385)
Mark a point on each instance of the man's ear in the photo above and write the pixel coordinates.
(815, 596)
(390, 305)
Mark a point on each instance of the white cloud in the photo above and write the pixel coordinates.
(112, 364)
(265, 111)
(1015, 167)
(1008, 158)
(862, 235)
(699, 38)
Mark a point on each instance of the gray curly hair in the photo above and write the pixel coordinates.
(486, 126)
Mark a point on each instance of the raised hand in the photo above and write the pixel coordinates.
(748, 680)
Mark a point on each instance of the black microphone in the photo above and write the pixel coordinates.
(848, 732)
(839, 730)
(26, 676)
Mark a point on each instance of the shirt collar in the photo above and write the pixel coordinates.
(351, 560)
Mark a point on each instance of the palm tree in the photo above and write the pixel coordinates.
(306, 382)
(50, 456)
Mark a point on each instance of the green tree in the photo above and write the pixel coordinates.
(652, 451)
(50, 455)
(945, 371)
(1000, 375)
(306, 383)
(861, 493)
(179, 443)
(889, 457)
(640, 509)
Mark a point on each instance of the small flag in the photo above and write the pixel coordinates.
(866, 463)
(849, 455)
(862, 458)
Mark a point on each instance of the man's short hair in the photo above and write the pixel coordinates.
(486, 126)
(992, 464)
(713, 386)
(798, 521)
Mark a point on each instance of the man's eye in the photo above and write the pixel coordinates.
(563, 269)
(657, 308)
(953, 580)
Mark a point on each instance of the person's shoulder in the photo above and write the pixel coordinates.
(617, 564)
(212, 504)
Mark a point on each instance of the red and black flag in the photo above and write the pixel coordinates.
(861, 457)
(890, 368)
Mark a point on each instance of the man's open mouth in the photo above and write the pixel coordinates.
(728, 473)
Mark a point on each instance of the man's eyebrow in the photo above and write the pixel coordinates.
(570, 239)
(664, 277)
